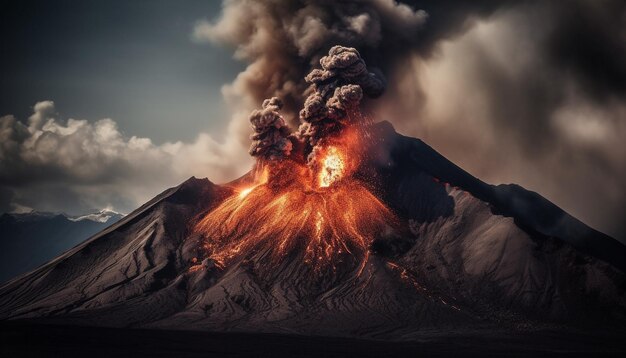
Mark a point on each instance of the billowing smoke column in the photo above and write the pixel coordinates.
(288, 207)
(270, 139)
(336, 91)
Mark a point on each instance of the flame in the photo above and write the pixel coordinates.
(333, 167)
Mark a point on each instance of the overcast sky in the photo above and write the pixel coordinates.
(133, 61)
(107, 103)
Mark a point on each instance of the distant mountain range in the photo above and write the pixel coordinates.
(28, 240)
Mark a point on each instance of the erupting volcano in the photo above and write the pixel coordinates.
(343, 228)
(323, 227)
(304, 200)
(328, 216)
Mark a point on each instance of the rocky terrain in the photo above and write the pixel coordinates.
(473, 258)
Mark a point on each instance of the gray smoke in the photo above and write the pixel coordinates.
(536, 89)
(344, 100)
(283, 40)
(337, 90)
(270, 139)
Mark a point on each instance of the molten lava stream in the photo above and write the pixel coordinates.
(322, 227)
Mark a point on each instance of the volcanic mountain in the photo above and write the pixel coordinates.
(439, 251)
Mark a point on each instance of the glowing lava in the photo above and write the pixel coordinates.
(244, 192)
(333, 167)
(318, 214)
(322, 228)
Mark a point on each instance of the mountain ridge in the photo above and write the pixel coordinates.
(28, 240)
(511, 200)
(462, 267)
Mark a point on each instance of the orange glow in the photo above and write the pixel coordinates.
(244, 192)
(332, 167)
(261, 176)
(316, 213)
(320, 226)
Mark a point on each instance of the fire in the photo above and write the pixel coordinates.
(292, 213)
(244, 192)
(333, 167)
(260, 177)
(323, 227)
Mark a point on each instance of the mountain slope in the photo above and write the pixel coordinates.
(471, 258)
(29, 240)
(530, 210)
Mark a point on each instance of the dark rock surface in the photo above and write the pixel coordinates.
(477, 258)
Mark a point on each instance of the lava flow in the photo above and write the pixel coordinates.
(325, 225)
(306, 203)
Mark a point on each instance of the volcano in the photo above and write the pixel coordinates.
(418, 247)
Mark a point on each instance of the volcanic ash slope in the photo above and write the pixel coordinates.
(471, 256)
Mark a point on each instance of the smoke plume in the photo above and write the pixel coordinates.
(270, 139)
(513, 91)
(283, 40)
(337, 90)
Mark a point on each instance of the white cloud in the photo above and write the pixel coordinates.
(98, 166)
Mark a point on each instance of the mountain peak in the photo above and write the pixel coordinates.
(462, 258)
(101, 216)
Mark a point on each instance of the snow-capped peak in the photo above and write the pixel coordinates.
(101, 216)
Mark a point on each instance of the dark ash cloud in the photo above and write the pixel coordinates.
(531, 92)
(283, 40)
(270, 140)
(336, 92)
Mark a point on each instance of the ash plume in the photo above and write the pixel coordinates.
(534, 88)
(337, 90)
(283, 40)
(270, 139)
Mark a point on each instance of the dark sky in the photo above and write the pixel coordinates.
(133, 61)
